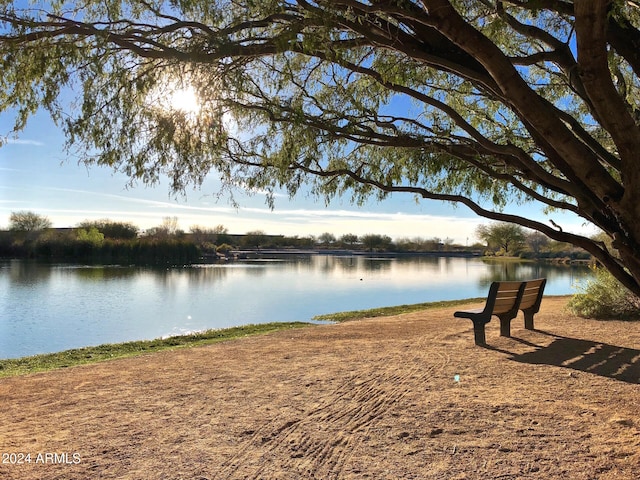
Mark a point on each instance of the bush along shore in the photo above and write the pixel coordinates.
(107, 251)
(92, 246)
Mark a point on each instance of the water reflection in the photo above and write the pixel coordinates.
(518, 271)
(49, 307)
(99, 273)
(24, 272)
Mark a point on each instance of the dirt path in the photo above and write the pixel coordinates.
(368, 399)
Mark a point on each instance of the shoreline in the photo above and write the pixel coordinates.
(249, 253)
(110, 351)
(44, 362)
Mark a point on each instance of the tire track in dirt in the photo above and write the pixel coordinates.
(344, 414)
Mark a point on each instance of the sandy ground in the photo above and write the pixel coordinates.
(373, 399)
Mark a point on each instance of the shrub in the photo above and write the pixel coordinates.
(604, 297)
(224, 248)
(90, 236)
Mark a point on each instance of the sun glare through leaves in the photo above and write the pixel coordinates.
(184, 100)
(175, 97)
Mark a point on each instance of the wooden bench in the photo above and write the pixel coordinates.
(504, 300)
(531, 300)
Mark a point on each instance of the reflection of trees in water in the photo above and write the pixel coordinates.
(327, 264)
(344, 264)
(370, 264)
(205, 274)
(376, 265)
(289, 264)
(104, 273)
(427, 263)
(423, 260)
(208, 274)
(190, 275)
(515, 271)
(25, 272)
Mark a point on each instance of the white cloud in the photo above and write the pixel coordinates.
(20, 141)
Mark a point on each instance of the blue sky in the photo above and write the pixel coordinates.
(36, 175)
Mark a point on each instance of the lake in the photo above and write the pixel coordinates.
(53, 307)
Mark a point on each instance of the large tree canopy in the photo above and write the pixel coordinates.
(479, 102)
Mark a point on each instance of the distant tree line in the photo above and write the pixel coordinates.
(508, 239)
(30, 236)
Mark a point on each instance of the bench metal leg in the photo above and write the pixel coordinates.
(478, 333)
(505, 327)
(528, 320)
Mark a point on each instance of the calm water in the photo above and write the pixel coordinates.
(47, 308)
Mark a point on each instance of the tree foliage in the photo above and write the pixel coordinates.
(168, 229)
(349, 239)
(25, 221)
(477, 102)
(327, 238)
(112, 229)
(254, 239)
(505, 237)
(373, 242)
(536, 241)
(216, 235)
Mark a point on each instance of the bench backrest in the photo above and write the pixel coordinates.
(532, 295)
(504, 297)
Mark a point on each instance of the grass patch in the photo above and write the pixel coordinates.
(388, 311)
(81, 356)
(501, 259)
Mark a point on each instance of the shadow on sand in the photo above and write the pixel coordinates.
(598, 358)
